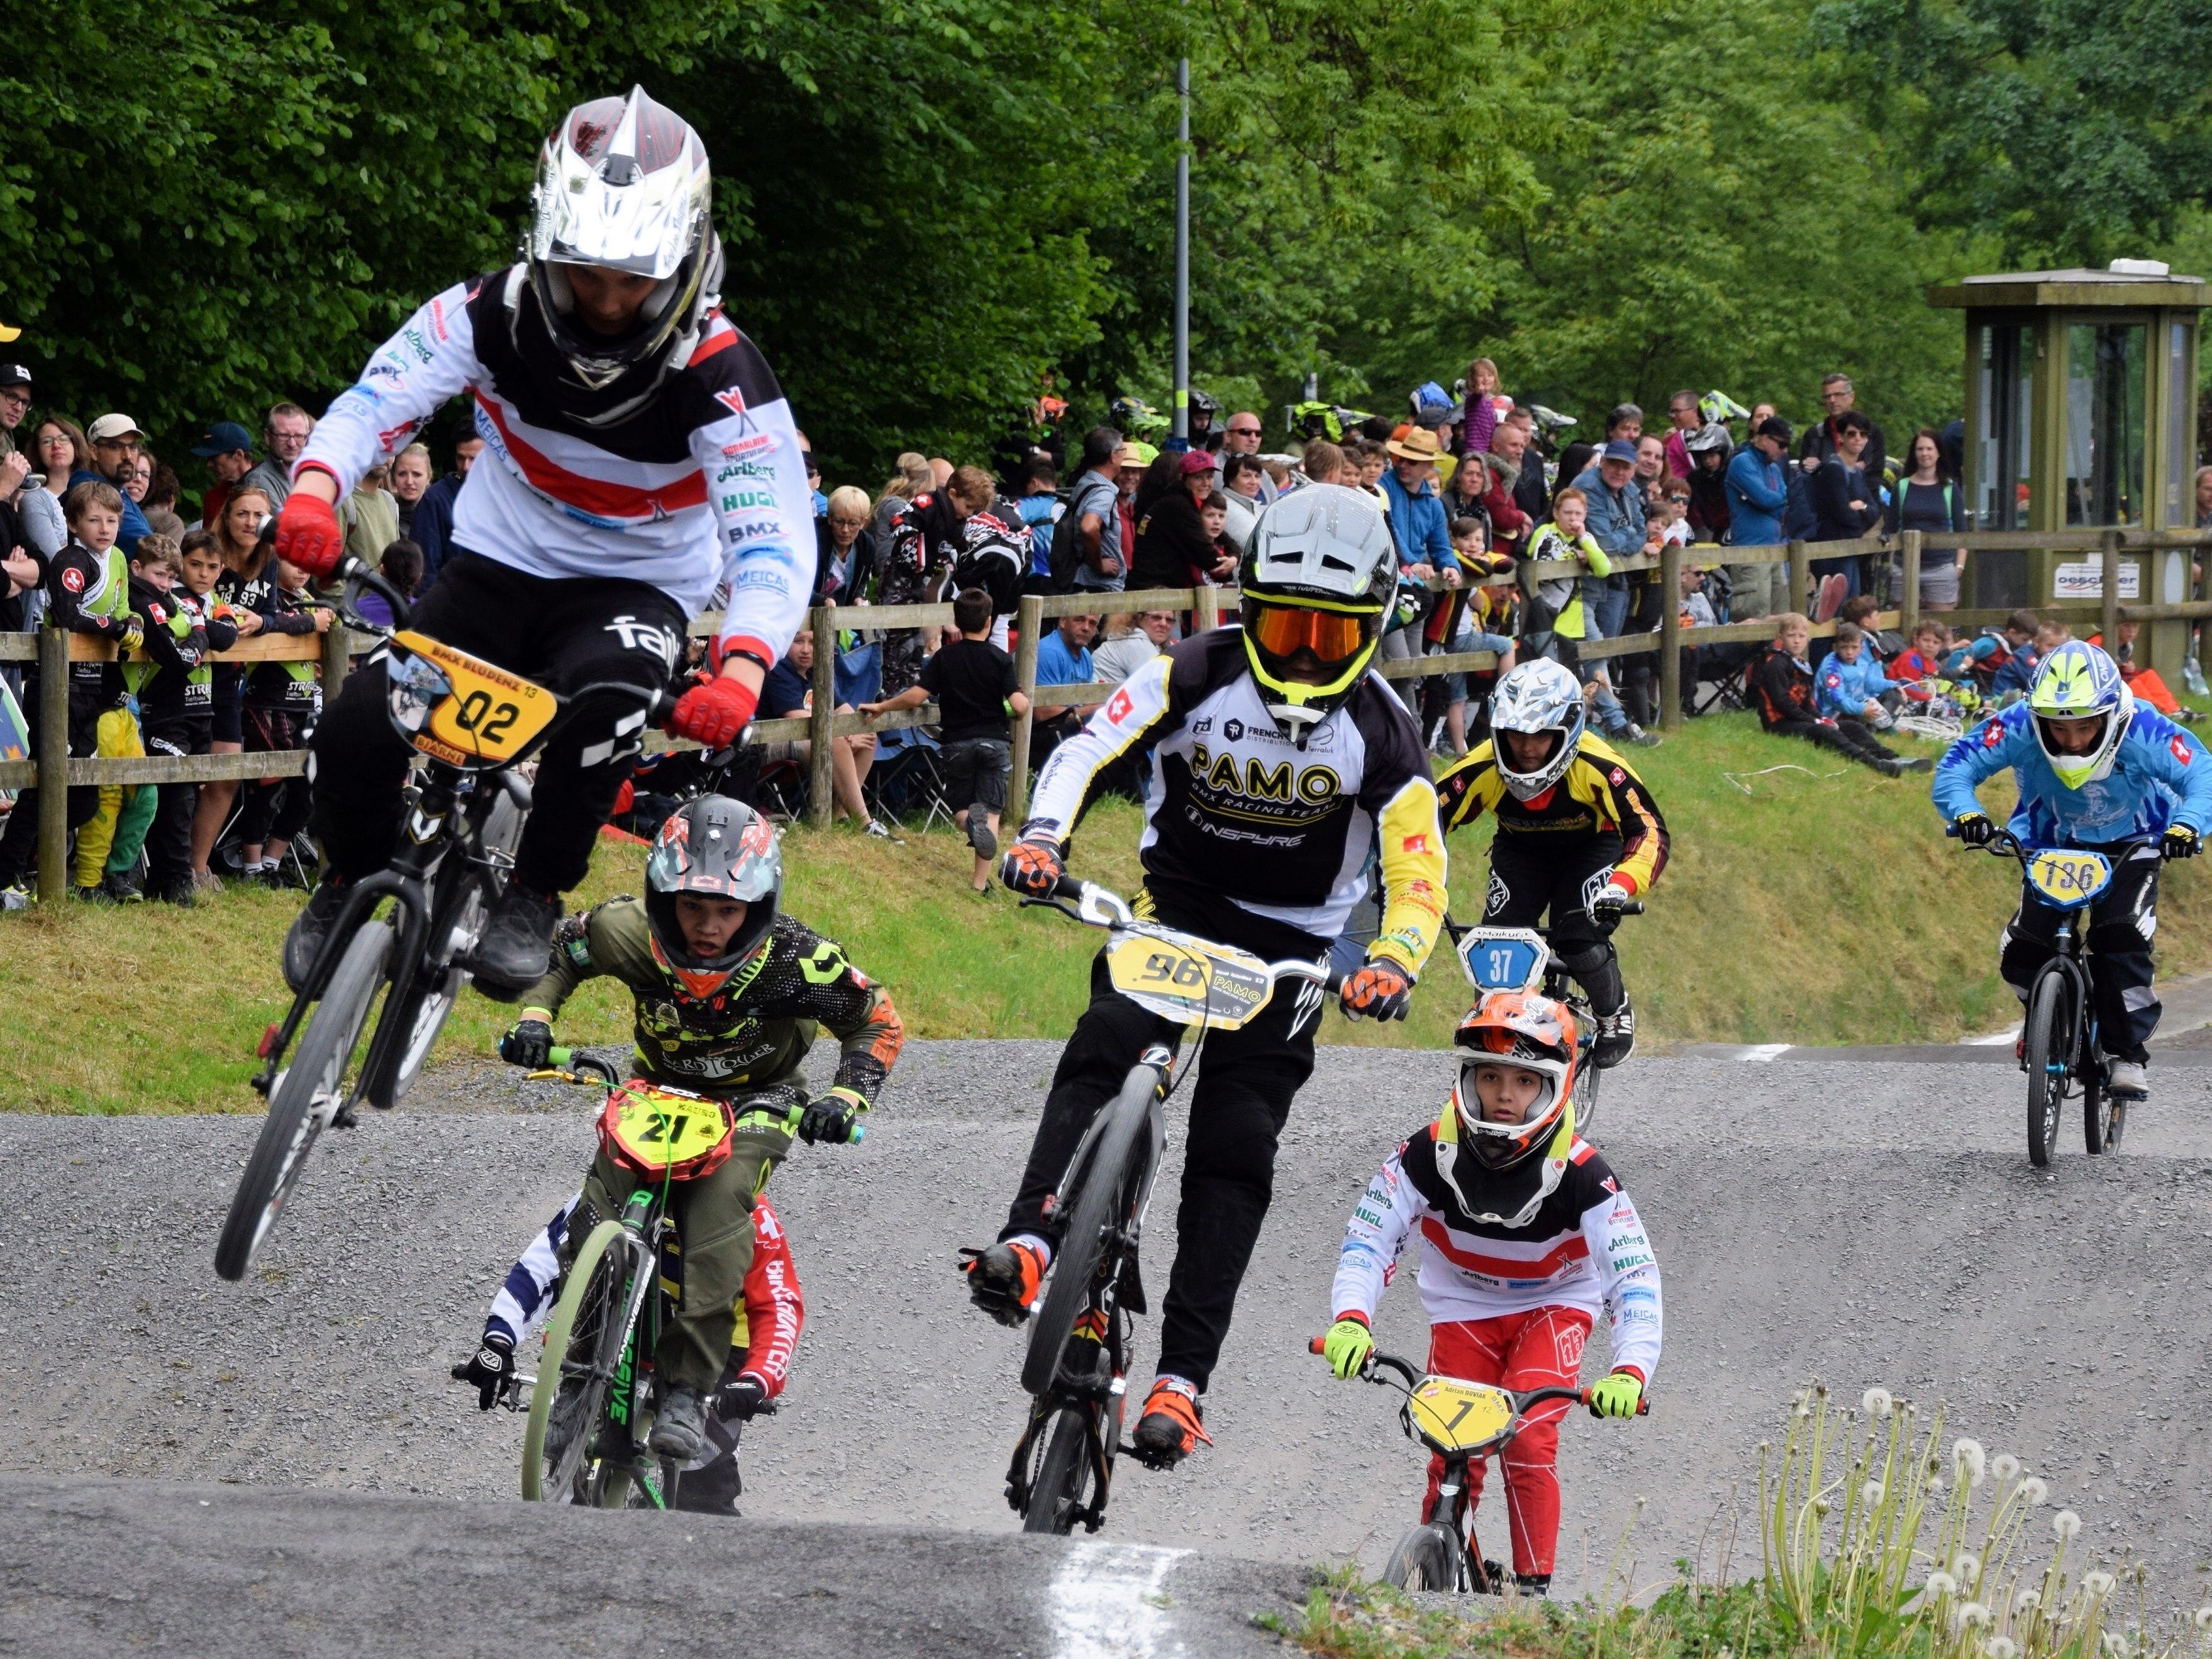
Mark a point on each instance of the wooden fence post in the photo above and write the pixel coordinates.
(1030, 619)
(1207, 609)
(337, 660)
(1908, 601)
(1670, 632)
(53, 765)
(1801, 576)
(821, 774)
(2111, 586)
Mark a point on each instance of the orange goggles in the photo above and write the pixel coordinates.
(1284, 631)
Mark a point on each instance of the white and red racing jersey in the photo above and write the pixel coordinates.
(681, 480)
(1585, 1247)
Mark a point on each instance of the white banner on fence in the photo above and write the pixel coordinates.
(2086, 580)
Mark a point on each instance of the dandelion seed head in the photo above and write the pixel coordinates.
(2065, 1525)
(1935, 1487)
(2098, 1583)
(2035, 1490)
(2029, 1601)
(1877, 1402)
(1972, 1615)
(1821, 1506)
(1870, 1494)
(1940, 1584)
(1968, 1458)
(1967, 1567)
(2203, 1619)
(2005, 1467)
(2002, 1647)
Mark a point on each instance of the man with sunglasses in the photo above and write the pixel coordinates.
(1241, 437)
(1283, 771)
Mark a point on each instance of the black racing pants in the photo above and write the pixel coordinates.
(169, 838)
(2121, 924)
(1238, 1105)
(19, 842)
(1534, 872)
(563, 633)
(1847, 737)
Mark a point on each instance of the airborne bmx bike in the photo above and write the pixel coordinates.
(403, 941)
(1462, 1423)
(592, 1401)
(1076, 1364)
(1521, 959)
(2059, 1050)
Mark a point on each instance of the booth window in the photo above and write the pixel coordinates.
(2006, 367)
(2104, 414)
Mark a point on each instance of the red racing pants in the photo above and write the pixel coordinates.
(1539, 1349)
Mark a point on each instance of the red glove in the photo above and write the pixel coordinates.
(1379, 991)
(308, 534)
(712, 715)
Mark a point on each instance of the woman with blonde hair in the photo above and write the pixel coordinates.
(241, 589)
(913, 478)
(844, 561)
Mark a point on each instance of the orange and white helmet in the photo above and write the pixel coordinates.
(1533, 1033)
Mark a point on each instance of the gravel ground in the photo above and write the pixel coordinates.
(1868, 1223)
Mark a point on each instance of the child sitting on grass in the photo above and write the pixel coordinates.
(1851, 681)
(1526, 1235)
(1781, 686)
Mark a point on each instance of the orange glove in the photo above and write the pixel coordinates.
(308, 534)
(712, 715)
(1034, 867)
(1378, 991)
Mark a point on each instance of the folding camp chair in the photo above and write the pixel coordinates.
(907, 779)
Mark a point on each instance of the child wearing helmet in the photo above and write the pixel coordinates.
(729, 993)
(1525, 1235)
(2096, 768)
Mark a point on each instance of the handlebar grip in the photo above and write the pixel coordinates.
(1633, 908)
(1067, 887)
(559, 1059)
(1317, 1345)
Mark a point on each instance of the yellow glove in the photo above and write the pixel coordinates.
(1346, 1346)
(1617, 1395)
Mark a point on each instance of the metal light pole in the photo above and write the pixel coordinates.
(1182, 256)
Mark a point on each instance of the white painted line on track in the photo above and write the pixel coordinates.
(1105, 1602)
(1993, 1039)
(1764, 1054)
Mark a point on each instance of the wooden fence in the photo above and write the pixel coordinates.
(53, 651)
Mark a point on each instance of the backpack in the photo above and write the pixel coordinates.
(1066, 557)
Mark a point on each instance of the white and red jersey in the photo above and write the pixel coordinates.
(773, 1313)
(1585, 1247)
(682, 480)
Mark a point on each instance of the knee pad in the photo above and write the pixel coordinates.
(1582, 957)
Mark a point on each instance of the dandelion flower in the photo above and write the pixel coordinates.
(1940, 1584)
(2117, 1646)
(1876, 1402)
(2065, 1525)
(2002, 1647)
(1870, 1494)
(1935, 1487)
(2029, 1601)
(2005, 1467)
(1821, 1506)
(1972, 1615)
(1967, 1457)
(1968, 1568)
(2098, 1583)
(2035, 1490)
(2205, 1618)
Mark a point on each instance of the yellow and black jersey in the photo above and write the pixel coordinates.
(1599, 795)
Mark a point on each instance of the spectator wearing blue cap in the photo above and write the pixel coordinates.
(1617, 524)
(227, 449)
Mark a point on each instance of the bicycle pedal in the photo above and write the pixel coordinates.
(1094, 1381)
(345, 1117)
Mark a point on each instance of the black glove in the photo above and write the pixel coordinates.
(834, 1118)
(1381, 990)
(491, 1368)
(2181, 843)
(1975, 828)
(741, 1399)
(528, 1043)
(1033, 867)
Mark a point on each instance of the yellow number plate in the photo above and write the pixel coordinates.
(491, 715)
(2069, 879)
(653, 1132)
(1188, 979)
(1453, 1416)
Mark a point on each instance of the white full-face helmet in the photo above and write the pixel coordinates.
(624, 185)
(1318, 571)
(1540, 696)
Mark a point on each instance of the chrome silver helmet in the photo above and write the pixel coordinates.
(1538, 697)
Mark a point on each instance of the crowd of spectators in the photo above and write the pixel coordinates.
(1475, 484)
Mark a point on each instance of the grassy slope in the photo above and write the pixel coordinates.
(1817, 909)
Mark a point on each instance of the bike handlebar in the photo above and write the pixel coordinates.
(572, 1066)
(1101, 907)
(1414, 1374)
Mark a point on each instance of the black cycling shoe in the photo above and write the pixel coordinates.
(517, 944)
(309, 929)
(680, 1430)
(1616, 1037)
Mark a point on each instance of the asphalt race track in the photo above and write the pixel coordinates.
(1863, 1222)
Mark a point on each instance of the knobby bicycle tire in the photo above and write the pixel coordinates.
(594, 1298)
(1057, 1496)
(2102, 1116)
(1426, 1558)
(318, 1070)
(1082, 1242)
(2048, 1039)
(432, 1000)
(1585, 1100)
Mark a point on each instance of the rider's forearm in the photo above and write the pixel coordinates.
(869, 1049)
(1414, 872)
(431, 359)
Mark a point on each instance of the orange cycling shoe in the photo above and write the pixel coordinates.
(1172, 1425)
(1004, 1280)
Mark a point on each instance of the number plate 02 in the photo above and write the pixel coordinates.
(491, 715)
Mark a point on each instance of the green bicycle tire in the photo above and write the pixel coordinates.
(582, 1274)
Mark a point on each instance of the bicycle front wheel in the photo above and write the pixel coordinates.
(1061, 1489)
(2048, 1039)
(1090, 1212)
(585, 1341)
(309, 1092)
(1426, 1558)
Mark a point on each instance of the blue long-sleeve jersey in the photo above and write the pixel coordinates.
(2160, 776)
(1846, 688)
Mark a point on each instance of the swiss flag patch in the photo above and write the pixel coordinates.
(1993, 735)
(73, 579)
(1118, 707)
(1417, 843)
(2182, 751)
(1616, 777)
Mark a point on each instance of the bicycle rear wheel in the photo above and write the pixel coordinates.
(1061, 1488)
(585, 1341)
(1092, 1210)
(1426, 1558)
(2102, 1116)
(1586, 1076)
(2048, 1037)
(309, 1092)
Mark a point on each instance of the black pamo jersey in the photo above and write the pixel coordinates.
(1235, 807)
